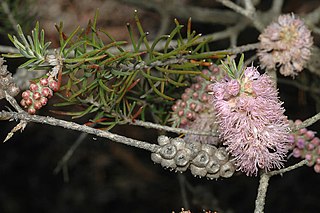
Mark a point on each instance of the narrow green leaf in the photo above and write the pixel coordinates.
(27, 63)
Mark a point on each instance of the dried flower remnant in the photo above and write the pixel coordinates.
(285, 44)
(251, 120)
(6, 81)
(307, 146)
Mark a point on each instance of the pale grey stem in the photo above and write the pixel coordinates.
(81, 128)
(64, 160)
(276, 7)
(262, 192)
(264, 183)
(307, 122)
(250, 14)
(169, 129)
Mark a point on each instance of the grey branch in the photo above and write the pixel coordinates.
(81, 128)
(307, 122)
(264, 183)
(169, 129)
(7, 11)
(198, 14)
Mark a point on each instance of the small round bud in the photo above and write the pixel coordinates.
(44, 81)
(181, 113)
(26, 94)
(31, 111)
(37, 105)
(34, 87)
(28, 102)
(36, 95)
(53, 85)
(46, 92)
(43, 101)
(23, 103)
(317, 168)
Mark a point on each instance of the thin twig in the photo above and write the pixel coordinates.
(264, 183)
(64, 160)
(170, 129)
(276, 7)
(248, 12)
(81, 128)
(307, 122)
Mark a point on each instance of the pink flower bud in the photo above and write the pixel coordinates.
(315, 141)
(309, 135)
(308, 157)
(296, 153)
(44, 81)
(26, 94)
(197, 86)
(28, 102)
(37, 105)
(53, 85)
(36, 95)
(317, 168)
(46, 92)
(23, 103)
(181, 113)
(184, 97)
(193, 106)
(204, 98)
(33, 87)
(183, 104)
(174, 107)
(43, 101)
(195, 95)
(31, 111)
(190, 116)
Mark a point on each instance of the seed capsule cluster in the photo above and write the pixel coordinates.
(38, 94)
(194, 100)
(204, 160)
(6, 81)
(306, 145)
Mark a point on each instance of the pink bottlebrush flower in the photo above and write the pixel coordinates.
(285, 44)
(251, 120)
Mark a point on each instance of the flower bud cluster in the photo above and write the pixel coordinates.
(203, 160)
(38, 94)
(194, 100)
(306, 145)
(6, 82)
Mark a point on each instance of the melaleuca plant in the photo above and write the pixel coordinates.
(105, 79)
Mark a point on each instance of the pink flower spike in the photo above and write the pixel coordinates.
(251, 121)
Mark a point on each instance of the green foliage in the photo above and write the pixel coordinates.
(31, 47)
(111, 81)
